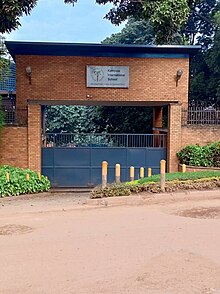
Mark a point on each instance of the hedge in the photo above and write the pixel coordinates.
(17, 182)
(195, 155)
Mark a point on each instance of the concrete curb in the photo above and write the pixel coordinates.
(160, 198)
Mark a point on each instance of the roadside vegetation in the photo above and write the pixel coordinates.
(195, 155)
(16, 181)
(174, 182)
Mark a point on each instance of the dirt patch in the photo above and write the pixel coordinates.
(201, 212)
(15, 230)
(172, 271)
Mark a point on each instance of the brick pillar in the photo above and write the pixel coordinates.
(173, 136)
(157, 118)
(34, 137)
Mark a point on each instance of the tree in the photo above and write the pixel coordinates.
(134, 32)
(71, 119)
(12, 10)
(124, 119)
(167, 17)
(205, 82)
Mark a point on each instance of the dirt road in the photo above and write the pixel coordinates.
(48, 247)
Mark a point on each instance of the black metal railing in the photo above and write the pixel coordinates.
(104, 140)
(17, 117)
(201, 115)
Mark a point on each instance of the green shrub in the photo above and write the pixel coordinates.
(18, 184)
(195, 155)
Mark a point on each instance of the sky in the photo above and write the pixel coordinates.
(52, 20)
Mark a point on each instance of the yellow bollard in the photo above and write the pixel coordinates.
(28, 177)
(149, 172)
(39, 175)
(131, 173)
(46, 177)
(104, 173)
(117, 173)
(183, 168)
(7, 177)
(162, 174)
(141, 172)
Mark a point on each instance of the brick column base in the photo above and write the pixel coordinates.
(174, 136)
(34, 137)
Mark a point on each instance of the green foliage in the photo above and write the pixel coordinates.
(134, 32)
(85, 119)
(125, 119)
(71, 119)
(195, 155)
(12, 10)
(174, 182)
(179, 176)
(18, 183)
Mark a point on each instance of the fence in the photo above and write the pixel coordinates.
(201, 115)
(17, 117)
(104, 140)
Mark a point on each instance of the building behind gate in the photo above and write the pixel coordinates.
(75, 74)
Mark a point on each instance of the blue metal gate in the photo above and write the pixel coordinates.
(74, 160)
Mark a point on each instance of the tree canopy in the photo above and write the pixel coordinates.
(12, 10)
(134, 32)
(167, 17)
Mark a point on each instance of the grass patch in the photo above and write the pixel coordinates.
(174, 182)
(178, 176)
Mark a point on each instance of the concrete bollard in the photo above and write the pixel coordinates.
(28, 177)
(104, 173)
(131, 173)
(117, 173)
(183, 168)
(7, 177)
(162, 174)
(149, 172)
(141, 173)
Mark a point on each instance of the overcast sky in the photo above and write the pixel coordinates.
(52, 20)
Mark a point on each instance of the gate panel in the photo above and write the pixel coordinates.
(72, 176)
(153, 158)
(47, 157)
(76, 161)
(72, 157)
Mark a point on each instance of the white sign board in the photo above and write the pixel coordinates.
(107, 76)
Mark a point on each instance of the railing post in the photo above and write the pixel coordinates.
(162, 175)
(104, 173)
(117, 173)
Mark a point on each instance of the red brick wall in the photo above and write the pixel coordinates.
(174, 136)
(14, 147)
(34, 137)
(199, 134)
(64, 78)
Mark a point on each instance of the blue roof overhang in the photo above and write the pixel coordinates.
(99, 50)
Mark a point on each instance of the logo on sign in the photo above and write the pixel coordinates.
(97, 74)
